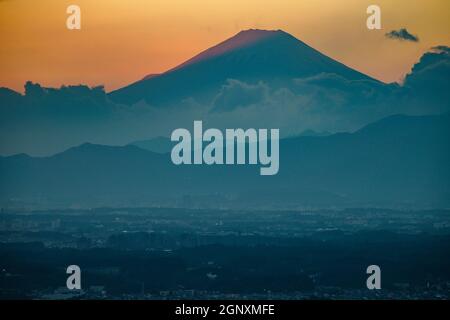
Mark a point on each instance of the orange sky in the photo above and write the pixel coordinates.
(121, 41)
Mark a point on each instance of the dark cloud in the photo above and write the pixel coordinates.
(402, 35)
(441, 49)
(429, 80)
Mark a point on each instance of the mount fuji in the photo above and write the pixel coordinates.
(250, 56)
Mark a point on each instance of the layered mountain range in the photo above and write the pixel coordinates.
(392, 149)
(398, 161)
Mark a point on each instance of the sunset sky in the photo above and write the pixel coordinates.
(122, 41)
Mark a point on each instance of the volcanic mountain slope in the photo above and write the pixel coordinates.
(251, 55)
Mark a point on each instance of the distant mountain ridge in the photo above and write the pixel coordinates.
(164, 144)
(398, 161)
(158, 144)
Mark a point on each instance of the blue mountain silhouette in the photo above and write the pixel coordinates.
(250, 55)
(398, 161)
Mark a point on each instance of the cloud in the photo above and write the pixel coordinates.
(402, 35)
(235, 94)
(441, 49)
(429, 80)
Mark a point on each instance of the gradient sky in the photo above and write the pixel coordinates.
(121, 41)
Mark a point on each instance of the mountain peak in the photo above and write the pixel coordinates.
(250, 55)
(252, 35)
(258, 33)
(241, 39)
